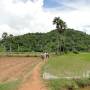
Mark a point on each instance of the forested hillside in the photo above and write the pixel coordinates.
(39, 42)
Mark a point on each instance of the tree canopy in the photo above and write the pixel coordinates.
(39, 42)
(60, 24)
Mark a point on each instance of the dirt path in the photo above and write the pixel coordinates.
(35, 82)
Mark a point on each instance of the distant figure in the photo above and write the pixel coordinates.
(44, 56)
(47, 55)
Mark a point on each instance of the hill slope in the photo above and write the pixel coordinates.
(47, 41)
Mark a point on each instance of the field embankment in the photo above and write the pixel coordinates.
(20, 54)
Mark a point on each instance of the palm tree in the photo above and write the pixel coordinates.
(60, 26)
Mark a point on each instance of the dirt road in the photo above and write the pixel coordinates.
(35, 82)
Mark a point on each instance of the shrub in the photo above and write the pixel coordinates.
(83, 82)
(75, 51)
(71, 85)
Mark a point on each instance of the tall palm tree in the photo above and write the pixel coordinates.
(60, 26)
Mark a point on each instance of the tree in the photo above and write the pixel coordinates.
(4, 35)
(7, 41)
(61, 27)
(11, 36)
(11, 39)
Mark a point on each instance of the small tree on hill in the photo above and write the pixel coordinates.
(4, 37)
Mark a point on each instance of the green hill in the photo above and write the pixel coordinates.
(38, 42)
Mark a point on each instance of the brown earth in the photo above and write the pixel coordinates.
(16, 67)
(25, 68)
(35, 82)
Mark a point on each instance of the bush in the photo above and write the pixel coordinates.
(75, 51)
(63, 84)
(83, 82)
(71, 85)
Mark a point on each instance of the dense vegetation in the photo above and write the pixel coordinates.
(39, 42)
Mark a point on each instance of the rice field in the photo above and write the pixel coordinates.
(67, 68)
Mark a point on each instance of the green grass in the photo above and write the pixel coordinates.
(68, 65)
(62, 84)
(11, 85)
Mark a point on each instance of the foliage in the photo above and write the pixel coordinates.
(40, 42)
(75, 51)
(84, 82)
(60, 27)
(2, 49)
(4, 35)
(60, 24)
(62, 84)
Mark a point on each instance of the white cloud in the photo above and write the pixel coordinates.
(6, 28)
(79, 18)
(19, 17)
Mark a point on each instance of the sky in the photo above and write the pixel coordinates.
(18, 17)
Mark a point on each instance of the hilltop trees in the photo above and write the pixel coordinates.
(60, 24)
(39, 42)
(4, 35)
(7, 41)
(60, 27)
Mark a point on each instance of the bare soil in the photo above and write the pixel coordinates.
(15, 67)
(35, 82)
(26, 68)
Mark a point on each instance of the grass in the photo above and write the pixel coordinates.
(65, 84)
(68, 65)
(62, 84)
(11, 85)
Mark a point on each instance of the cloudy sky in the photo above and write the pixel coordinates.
(23, 16)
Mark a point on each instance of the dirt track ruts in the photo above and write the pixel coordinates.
(35, 82)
